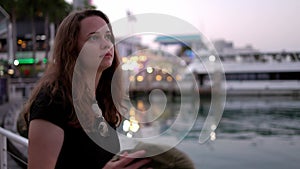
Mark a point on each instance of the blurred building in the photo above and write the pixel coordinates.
(187, 44)
(23, 58)
(81, 4)
(224, 47)
(221, 45)
(129, 46)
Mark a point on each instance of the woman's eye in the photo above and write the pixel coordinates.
(109, 37)
(94, 38)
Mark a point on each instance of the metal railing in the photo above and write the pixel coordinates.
(4, 135)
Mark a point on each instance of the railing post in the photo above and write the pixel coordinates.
(3, 152)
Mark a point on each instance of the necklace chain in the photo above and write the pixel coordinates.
(102, 126)
(97, 110)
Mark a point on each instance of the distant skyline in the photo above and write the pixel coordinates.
(267, 25)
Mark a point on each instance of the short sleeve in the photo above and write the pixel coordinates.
(52, 110)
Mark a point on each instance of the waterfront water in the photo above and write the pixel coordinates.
(254, 132)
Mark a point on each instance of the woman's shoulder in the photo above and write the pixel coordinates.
(46, 96)
(50, 105)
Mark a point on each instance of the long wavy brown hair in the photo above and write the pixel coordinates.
(60, 70)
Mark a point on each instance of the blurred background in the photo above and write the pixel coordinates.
(257, 42)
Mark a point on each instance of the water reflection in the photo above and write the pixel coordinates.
(249, 117)
(246, 118)
(254, 132)
(243, 118)
(159, 115)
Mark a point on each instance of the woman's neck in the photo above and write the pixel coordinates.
(92, 83)
(97, 79)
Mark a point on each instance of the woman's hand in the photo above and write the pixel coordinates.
(126, 159)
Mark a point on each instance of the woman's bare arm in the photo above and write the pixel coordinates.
(45, 142)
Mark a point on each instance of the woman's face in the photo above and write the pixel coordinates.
(95, 44)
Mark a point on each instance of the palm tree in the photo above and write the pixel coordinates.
(54, 11)
(13, 9)
(30, 9)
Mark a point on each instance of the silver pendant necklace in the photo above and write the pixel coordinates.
(102, 126)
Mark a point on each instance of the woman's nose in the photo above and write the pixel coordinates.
(105, 44)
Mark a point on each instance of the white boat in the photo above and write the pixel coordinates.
(253, 73)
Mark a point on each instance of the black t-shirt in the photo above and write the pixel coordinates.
(78, 150)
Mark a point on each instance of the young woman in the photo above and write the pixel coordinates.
(63, 111)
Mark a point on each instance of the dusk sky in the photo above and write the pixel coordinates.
(268, 25)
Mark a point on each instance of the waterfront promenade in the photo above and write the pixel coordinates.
(9, 113)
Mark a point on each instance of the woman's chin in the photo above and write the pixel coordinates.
(105, 65)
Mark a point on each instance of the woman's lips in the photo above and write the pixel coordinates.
(107, 55)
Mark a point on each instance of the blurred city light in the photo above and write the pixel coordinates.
(212, 58)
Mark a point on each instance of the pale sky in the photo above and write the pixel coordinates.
(268, 25)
